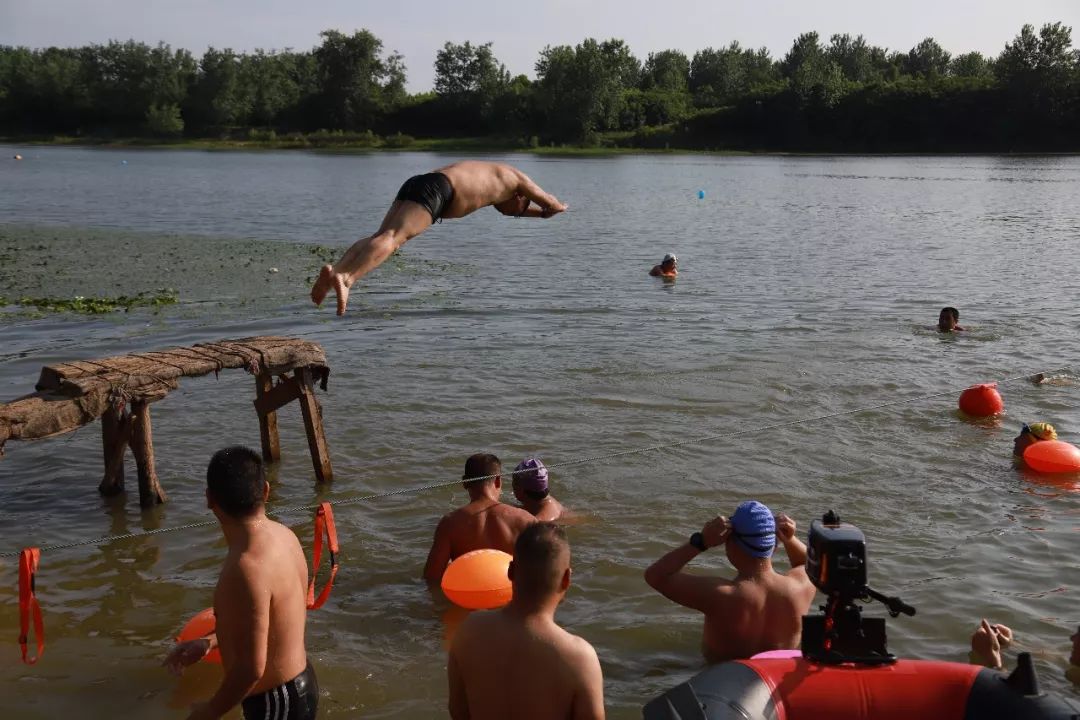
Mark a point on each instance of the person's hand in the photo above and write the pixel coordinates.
(1004, 634)
(785, 528)
(716, 531)
(554, 209)
(986, 644)
(186, 653)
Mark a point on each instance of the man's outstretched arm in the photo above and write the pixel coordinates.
(549, 204)
(692, 591)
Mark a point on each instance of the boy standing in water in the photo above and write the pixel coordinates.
(517, 662)
(453, 191)
(759, 609)
(260, 603)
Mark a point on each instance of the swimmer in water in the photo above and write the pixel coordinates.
(260, 603)
(532, 491)
(517, 662)
(666, 268)
(453, 191)
(484, 523)
(948, 319)
(1031, 434)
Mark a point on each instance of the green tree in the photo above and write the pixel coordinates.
(219, 97)
(470, 81)
(357, 85)
(667, 70)
(927, 59)
(854, 57)
(815, 78)
(1038, 61)
(971, 65)
(720, 77)
(164, 121)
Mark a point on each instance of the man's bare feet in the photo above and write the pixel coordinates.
(329, 280)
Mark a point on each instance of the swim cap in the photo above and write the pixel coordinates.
(754, 528)
(1043, 431)
(669, 258)
(532, 475)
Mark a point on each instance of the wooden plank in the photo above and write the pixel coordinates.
(142, 447)
(274, 397)
(268, 430)
(116, 436)
(161, 369)
(313, 425)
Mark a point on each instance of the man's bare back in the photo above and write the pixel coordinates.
(483, 523)
(544, 671)
(453, 191)
(754, 615)
(273, 566)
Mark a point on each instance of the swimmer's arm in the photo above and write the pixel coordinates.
(242, 608)
(458, 704)
(549, 204)
(655, 271)
(692, 591)
(439, 555)
(589, 698)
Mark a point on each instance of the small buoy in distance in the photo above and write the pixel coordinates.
(700, 194)
(199, 626)
(1052, 456)
(18, 156)
(981, 400)
(123, 162)
(478, 580)
(273, 270)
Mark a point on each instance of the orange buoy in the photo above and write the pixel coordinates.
(478, 580)
(1052, 456)
(981, 400)
(201, 625)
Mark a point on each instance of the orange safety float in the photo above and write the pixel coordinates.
(204, 623)
(981, 400)
(1052, 456)
(479, 580)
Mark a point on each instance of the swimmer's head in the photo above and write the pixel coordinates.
(948, 318)
(1031, 434)
(541, 565)
(753, 531)
(531, 479)
(235, 483)
(669, 261)
(482, 469)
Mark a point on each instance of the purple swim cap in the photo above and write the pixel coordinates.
(754, 529)
(532, 475)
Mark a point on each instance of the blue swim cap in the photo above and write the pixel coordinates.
(754, 528)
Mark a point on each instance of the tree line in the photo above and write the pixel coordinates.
(844, 94)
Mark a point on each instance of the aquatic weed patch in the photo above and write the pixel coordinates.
(98, 305)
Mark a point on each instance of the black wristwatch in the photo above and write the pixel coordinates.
(698, 541)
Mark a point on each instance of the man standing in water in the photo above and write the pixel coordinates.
(517, 662)
(760, 609)
(484, 523)
(453, 191)
(532, 491)
(260, 603)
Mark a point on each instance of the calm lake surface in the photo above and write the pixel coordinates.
(806, 290)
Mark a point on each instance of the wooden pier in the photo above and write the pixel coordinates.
(120, 390)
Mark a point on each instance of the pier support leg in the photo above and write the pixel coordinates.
(316, 437)
(142, 446)
(268, 430)
(115, 435)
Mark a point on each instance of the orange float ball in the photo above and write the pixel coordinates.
(201, 625)
(478, 580)
(1052, 456)
(981, 400)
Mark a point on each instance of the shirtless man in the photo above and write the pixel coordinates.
(666, 268)
(516, 662)
(532, 491)
(760, 609)
(260, 603)
(483, 523)
(453, 191)
(1031, 434)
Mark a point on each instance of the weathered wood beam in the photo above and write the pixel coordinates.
(115, 437)
(313, 425)
(268, 430)
(142, 447)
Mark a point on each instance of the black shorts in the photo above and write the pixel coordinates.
(432, 190)
(297, 699)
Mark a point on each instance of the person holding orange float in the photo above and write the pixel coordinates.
(667, 268)
(1031, 434)
(517, 662)
(260, 603)
(485, 522)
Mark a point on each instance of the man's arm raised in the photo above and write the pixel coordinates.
(692, 591)
(439, 555)
(242, 609)
(796, 550)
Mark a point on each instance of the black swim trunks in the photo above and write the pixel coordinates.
(432, 190)
(297, 699)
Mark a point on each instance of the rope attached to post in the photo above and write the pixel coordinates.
(29, 609)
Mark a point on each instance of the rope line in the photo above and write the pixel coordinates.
(566, 463)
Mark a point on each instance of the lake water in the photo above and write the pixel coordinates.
(806, 289)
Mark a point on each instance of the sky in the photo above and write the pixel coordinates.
(419, 28)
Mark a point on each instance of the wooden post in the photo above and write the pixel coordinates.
(142, 447)
(316, 437)
(115, 434)
(268, 432)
